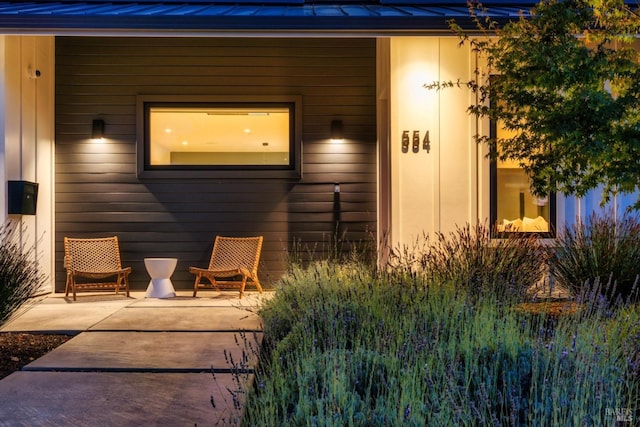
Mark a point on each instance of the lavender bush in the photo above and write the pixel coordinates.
(350, 346)
(469, 258)
(600, 253)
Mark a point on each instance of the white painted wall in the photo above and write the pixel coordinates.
(576, 209)
(437, 190)
(449, 186)
(27, 127)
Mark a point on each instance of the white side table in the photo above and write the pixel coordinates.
(160, 270)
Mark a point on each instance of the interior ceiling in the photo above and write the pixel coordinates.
(206, 130)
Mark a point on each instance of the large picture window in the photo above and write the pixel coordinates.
(240, 137)
(513, 208)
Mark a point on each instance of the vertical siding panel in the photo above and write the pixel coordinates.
(98, 192)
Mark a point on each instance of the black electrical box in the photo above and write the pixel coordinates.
(23, 197)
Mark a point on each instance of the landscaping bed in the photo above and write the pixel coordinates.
(20, 349)
(345, 346)
(553, 309)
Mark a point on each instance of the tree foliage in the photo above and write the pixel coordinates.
(567, 88)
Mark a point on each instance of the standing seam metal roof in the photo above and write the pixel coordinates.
(199, 15)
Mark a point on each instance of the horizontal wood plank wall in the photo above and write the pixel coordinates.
(99, 194)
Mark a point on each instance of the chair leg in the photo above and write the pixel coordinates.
(258, 285)
(124, 284)
(242, 285)
(71, 283)
(195, 285)
(66, 292)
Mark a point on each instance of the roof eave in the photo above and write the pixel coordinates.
(136, 25)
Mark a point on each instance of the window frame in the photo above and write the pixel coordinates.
(147, 171)
(493, 199)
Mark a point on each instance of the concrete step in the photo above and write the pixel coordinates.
(95, 399)
(141, 318)
(153, 352)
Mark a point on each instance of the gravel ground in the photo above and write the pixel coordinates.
(19, 349)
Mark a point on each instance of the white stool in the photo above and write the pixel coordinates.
(160, 270)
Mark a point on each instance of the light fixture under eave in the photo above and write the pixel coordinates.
(337, 131)
(97, 129)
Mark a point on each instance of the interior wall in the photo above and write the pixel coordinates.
(27, 146)
(433, 190)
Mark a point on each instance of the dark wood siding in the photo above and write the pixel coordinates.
(98, 192)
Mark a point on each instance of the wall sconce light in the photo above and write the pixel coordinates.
(97, 129)
(337, 130)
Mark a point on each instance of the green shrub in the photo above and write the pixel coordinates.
(355, 348)
(301, 288)
(20, 279)
(602, 252)
(337, 248)
(469, 258)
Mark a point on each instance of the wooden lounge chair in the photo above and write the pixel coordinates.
(94, 264)
(234, 262)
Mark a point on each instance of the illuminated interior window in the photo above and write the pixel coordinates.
(514, 209)
(220, 135)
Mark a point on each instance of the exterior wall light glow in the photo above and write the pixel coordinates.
(97, 129)
(337, 131)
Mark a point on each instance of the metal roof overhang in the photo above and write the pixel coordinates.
(242, 17)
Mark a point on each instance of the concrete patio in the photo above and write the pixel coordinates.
(136, 361)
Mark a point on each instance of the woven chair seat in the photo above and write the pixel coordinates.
(234, 259)
(88, 260)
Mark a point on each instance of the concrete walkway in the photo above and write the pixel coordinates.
(136, 361)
